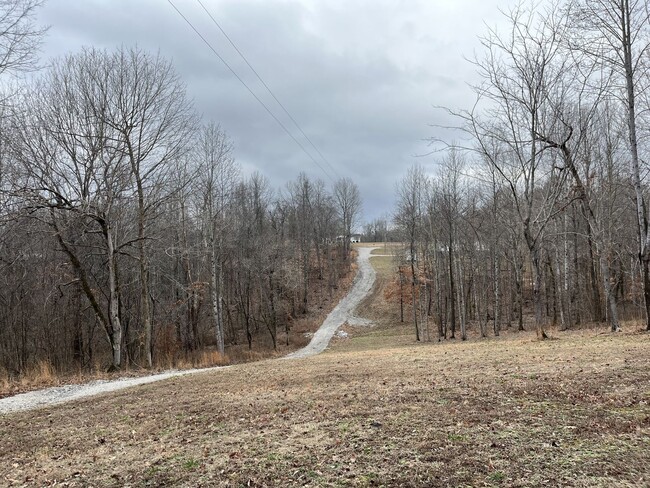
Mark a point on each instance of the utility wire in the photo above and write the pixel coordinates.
(232, 43)
(196, 31)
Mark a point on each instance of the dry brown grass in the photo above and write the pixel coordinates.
(41, 373)
(390, 249)
(204, 359)
(512, 412)
(375, 307)
(4, 379)
(376, 409)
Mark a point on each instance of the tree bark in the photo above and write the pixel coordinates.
(537, 293)
(452, 286)
(216, 290)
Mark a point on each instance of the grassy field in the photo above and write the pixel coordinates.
(377, 409)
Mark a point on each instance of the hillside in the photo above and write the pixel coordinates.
(376, 409)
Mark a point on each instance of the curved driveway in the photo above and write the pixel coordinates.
(344, 311)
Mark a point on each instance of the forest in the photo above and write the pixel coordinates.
(129, 235)
(537, 213)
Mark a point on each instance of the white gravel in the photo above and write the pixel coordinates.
(61, 394)
(344, 311)
(341, 314)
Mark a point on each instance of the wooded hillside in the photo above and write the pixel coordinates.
(541, 205)
(130, 236)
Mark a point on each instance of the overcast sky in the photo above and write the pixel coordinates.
(361, 78)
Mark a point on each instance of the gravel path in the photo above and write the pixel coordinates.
(66, 393)
(342, 313)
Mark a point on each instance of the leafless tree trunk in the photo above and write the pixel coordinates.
(348, 201)
(408, 218)
(217, 175)
(150, 110)
(614, 34)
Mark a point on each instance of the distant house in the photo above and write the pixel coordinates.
(353, 238)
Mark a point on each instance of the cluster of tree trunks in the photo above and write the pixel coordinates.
(544, 209)
(128, 235)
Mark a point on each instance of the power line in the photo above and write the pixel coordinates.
(279, 122)
(232, 43)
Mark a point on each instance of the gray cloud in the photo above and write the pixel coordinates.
(361, 77)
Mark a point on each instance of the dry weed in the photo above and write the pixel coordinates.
(5, 380)
(209, 359)
(41, 373)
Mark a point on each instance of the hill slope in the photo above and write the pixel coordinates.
(374, 410)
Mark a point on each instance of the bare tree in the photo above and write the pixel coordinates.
(73, 168)
(452, 167)
(615, 34)
(301, 194)
(575, 133)
(155, 121)
(20, 37)
(348, 203)
(114, 119)
(411, 193)
(518, 71)
(217, 177)
(20, 40)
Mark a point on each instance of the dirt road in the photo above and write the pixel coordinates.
(344, 311)
(66, 393)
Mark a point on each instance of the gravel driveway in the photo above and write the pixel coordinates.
(342, 313)
(61, 394)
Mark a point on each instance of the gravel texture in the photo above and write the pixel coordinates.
(66, 393)
(344, 311)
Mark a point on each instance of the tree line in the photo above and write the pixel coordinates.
(543, 205)
(128, 234)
